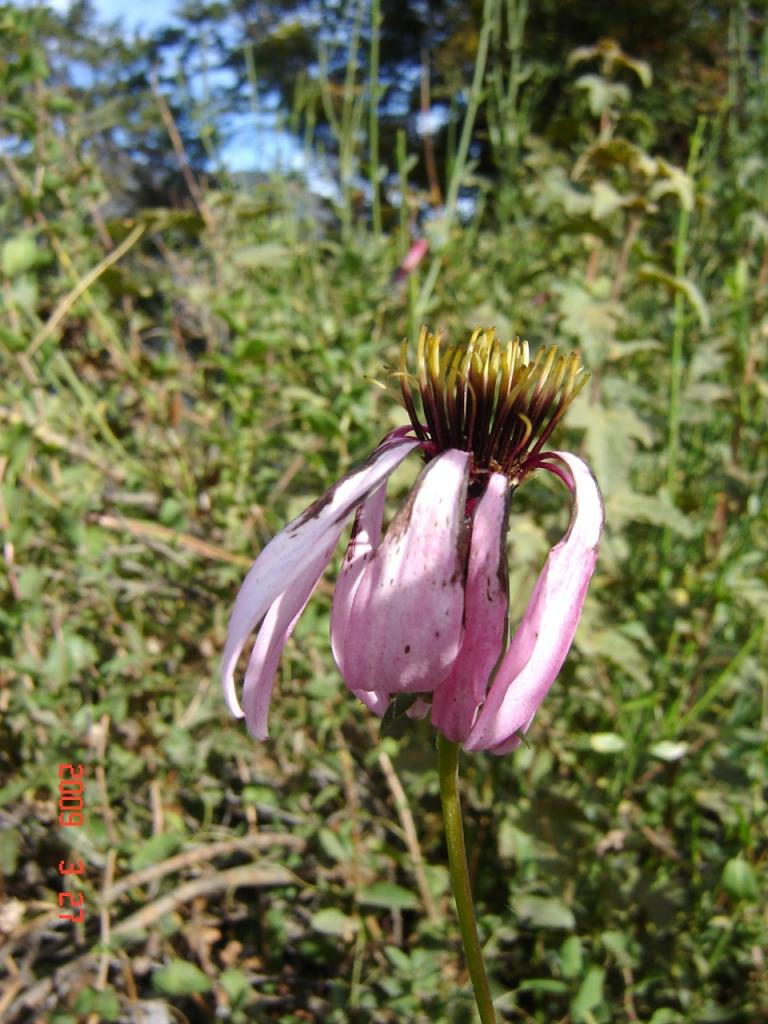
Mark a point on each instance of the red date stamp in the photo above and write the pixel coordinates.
(71, 815)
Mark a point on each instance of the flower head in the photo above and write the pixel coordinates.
(489, 399)
(422, 608)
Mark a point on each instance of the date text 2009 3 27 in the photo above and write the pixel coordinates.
(71, 815)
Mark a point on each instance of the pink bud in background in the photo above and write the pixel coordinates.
(413, 258)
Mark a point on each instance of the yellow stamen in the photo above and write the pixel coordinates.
(489, 399)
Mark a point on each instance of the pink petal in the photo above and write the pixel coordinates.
(375, 700)
(284, 561)
(273, 635)
(404, 628)
(544, 636)
(486, 607)
(366, 536)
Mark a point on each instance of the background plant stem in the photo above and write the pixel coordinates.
(460, 163)
(678, 338)
(373, 118)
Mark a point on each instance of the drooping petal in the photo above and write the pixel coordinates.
(542, 640)
(404, 628)
(284, 559)
(366, 536)
(486, 607)
(273, 635)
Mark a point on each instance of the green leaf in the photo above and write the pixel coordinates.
(590, 318)
(668, 750)
(622, 349)
(641, 68)
(739, 879)
(545, 912)
(571, 957)
(610, 437)
(606, 200)
(171, 513)
(268, 254)
(157, 848)
(590, 994)
(674, 182)
(617, 943)
(610, 53)
(104, 1004)
(12, 791)
(237, 986)
(650, 508)
(179, 747)
(338, 848)
(666, 1016)
(607, 743)
(684, 285)
(59, 104)
(549, 985)
(333, 922)
(400, 960)
(12, 341)
(18, 255)
(10, 844)
(180, 977)
(554, 189)
(389, 896)
(514, 843)
(602, 94)
(623, 650)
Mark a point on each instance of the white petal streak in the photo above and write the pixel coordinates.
(284, 559)
(546, 631)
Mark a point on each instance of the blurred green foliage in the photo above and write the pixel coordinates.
(179, 380)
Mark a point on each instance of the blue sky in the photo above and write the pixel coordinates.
(137, 14)
(254, 146)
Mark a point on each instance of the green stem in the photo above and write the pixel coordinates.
(448, 766)
(460, 163)
(373, 115)
(728, 674)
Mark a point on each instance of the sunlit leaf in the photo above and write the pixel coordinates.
(180, 977)
(684, 285)
(388, 895)
(544, 912)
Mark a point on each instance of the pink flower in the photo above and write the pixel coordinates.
(421, 609)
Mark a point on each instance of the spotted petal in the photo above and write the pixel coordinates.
(405, 624)
(542, 640)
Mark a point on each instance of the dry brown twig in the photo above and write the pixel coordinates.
(57, 316)
(200, 854)
(247, 875)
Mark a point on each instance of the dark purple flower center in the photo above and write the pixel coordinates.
(487, 398)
